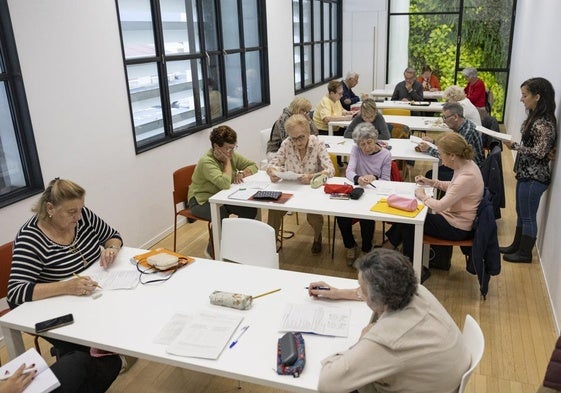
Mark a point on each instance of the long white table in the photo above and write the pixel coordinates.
(401, 149)
(308, 200)
(427, 95)
(127, 321)
(415, 123)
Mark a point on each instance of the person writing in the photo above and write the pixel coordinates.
(412, 343)
(298, 106)
(307, 156)
(64, 238)
(429, 81)
(533, 173)
(217, 170)
(369, 114)
(408, 89)
(452, 216)
(368, 162)
(330, 109)
(349, 97)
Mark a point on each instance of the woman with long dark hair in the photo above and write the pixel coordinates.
(531, 167)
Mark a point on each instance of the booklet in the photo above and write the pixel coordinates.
(314, 318)
(494, 134)
(45, 380)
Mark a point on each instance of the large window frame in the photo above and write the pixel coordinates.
(20, 172)
(191, 64)
(317, 27)
(474, 33)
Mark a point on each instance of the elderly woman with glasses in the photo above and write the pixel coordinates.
(411, 345)
(330, 109)
(307, 156)
(216, 171)
(368, 162)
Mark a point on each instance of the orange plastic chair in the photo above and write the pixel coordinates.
(182, 178)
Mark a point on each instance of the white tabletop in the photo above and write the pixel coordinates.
(415, 123)
(127, 321)
(401, 149)
(436, 95)
(432, 107)
(308, 200)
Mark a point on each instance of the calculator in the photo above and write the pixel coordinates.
(267, 195)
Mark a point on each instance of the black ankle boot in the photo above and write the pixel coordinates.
(515, 243)
(524, 253)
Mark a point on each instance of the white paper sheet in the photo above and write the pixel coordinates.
(315, 318)
(494, 134)
(287, 175)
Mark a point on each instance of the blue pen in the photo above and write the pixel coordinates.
(244, 329)
(320, 288)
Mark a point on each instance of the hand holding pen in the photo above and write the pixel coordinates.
(322, 289)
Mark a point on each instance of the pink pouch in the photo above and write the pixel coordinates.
(402, 203)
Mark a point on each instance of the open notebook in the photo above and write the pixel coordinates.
(45, 381)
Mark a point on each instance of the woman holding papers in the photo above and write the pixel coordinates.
(452, 216)
(62, 239)
(412, 344)
(533, 173)
(368, 162)
(307, 156)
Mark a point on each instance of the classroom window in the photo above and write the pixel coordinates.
(317, 31)
(20, 173)
(191, 64)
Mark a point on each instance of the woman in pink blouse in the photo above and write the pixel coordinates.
(307, 156)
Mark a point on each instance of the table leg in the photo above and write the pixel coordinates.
(329, 129)
(435, 171)
(216, 228)
(13, 341)
(418, 250)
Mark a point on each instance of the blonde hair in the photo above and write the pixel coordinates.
(368, 107)
(297, 121)
(57, 192)
(454, 94)
(299, 104)
(332, 86)
(454, 143)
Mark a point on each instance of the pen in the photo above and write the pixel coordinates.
(84, 278)
(320, 288)
(372, 184)
(244, 329)
(341, 143)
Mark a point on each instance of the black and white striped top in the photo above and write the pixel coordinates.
(38, 259)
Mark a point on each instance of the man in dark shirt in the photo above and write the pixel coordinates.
(349, 97)
(409, 89)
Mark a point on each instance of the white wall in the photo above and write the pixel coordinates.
(537, 53)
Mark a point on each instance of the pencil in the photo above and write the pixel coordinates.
(82, 277)
(266, 293)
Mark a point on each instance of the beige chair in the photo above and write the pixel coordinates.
(396, 111)
(265, 136)
(249, 242)
(475, 343)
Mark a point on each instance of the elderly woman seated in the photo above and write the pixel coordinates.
(369, 114)
(368, 162)
(307, 156)
(412, 345)
(457, 94)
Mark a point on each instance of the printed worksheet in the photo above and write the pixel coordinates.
(315, 318)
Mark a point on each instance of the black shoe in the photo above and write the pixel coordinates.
(316, 246)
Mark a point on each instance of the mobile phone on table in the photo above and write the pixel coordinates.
(288, 351)
(339, 195)
(53, 323)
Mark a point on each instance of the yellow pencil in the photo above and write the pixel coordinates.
(266, 293)
(82, 277)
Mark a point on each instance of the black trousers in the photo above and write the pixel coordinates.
(366, 231)
(79, 372)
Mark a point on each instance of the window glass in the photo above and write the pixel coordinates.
(234, 85)
(176, 33)
(253, 64)
(296, 20)
(250, 23)
(230, 30)
(317, 63)
(297, 76)
(136, 28)
(11, 169)
(210, 26)
(307, 20)
(214, 87)
(180, 86)
(308, 75)
(317, 20)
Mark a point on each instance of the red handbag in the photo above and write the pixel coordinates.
(338, 188)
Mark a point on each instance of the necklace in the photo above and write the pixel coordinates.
(75, 249)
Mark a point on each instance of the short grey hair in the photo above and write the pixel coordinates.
(454, 108)
(365, 131)
(389, 278)
(351, 74)
(410, 69)
(454, 93)
(470, 72)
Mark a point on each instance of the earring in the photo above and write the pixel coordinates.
(50, 216)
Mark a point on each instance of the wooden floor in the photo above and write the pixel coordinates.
(516, 318)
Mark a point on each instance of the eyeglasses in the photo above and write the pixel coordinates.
(298, 138)
(230, 149)
(447, 117)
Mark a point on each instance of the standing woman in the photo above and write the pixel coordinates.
(531, 167)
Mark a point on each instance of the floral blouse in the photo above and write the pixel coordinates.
(315, 160)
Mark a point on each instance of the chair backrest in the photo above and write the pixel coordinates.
(400, 131)
(249, 242)
(475, 343)
(396, 111)
(181, 182)
(265, 137)
(5, 267)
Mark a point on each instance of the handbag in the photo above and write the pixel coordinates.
(338, 188)
(402, 203)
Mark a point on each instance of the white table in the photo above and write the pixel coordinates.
(415, 123)
(127, 321)
(401, 149)
(308, 200)
(432, 107)
(427, 95)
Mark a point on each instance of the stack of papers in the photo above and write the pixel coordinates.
(318, 319)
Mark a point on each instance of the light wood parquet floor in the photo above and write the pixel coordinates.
(516, 318)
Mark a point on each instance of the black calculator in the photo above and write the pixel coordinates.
(267, 195)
